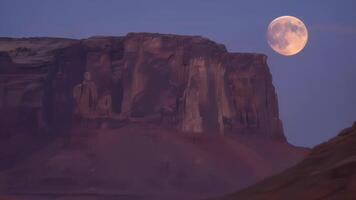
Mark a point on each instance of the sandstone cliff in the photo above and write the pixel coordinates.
(190, 120)
(193, 82)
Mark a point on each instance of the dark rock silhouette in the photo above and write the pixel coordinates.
(328, 172)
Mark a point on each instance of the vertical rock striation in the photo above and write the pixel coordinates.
(186, 82)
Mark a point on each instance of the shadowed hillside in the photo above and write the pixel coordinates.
(328, 173)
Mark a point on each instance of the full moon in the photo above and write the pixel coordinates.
(287, 35)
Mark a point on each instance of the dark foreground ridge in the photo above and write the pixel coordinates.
(328, 173)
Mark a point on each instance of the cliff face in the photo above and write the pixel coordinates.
(190, 120)
(192, 83)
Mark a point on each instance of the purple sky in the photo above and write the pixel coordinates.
(316, 88)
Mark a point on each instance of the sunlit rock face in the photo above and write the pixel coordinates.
(188, 83)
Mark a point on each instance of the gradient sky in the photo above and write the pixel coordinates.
(316, 88)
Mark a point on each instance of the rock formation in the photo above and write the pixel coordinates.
(85, 96)
(104, 107)
(196, 81)
(328, 172)
(171, 117)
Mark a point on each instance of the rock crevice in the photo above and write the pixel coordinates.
(192, 81)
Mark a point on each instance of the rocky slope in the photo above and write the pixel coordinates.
(189, 119)
(328, 172)
(142, 161)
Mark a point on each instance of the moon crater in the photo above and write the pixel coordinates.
(287, 35)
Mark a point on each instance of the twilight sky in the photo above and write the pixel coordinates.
(316, 88)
